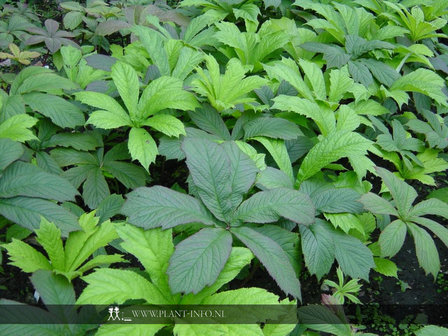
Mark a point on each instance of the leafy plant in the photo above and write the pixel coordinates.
(154, 248)
(221, 176)
(409, 218)
(225, 91)
(59, 297)
(22, 57)
(162, 93)
(415, 22)
(39, 88)
(69, 259)
(51, 36)
(91, 168)
(27, 192)
(342, 290)
(14, 28)
(251, 48)
(361, 68)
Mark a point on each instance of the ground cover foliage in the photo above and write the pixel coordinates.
(162, 153)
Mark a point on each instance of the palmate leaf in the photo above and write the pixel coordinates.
(165, 92)
(402, 193)
(51, 35)
(49, 237)
(222, 174)
(110, 115)
(227, 90)
(198, 260)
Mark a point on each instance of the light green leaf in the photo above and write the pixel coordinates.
(153, 248)
(386, 267)
(101, 260)
(17, 128)
(287, 70)
(166, 124)
(402, 193)
(432, 206)
(110, 115)
(126, 80)
(25, 257)
(439, 230)
(377, 204)
(340, 84)
(316, 78)
(432, 330)
(160, 206)
(227, 90)
(272, 178)
(336, 145)
(142, 147)
(423, 81)
(321, 115)
(165, 92)
(108, 286)
(49, 237)
(198, 260)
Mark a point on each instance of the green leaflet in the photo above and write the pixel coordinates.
(142, 146)
(269, 206)
(331, 148)
(160, 206)
(190, 268)
(17, 128)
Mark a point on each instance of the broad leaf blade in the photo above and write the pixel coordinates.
(272, 257)
(160, 206)
(198, 260)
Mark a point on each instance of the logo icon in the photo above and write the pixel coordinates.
(113, 314)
